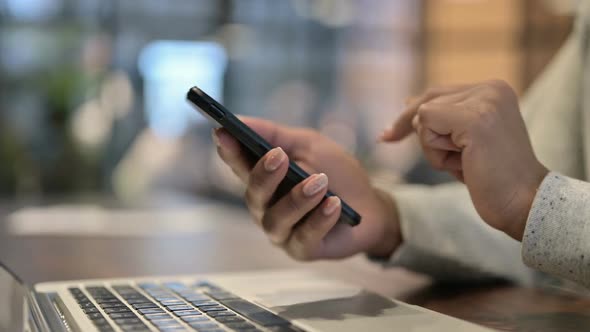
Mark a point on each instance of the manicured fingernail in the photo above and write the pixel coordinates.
(315, 184)
(332, 204)
(274, 159)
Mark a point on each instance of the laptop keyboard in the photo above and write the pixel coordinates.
(175, 306)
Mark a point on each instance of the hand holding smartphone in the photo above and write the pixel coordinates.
(257, 146)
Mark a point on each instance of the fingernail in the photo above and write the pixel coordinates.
(215, 137)
(315, 184)
(333, 203)
(274, 159)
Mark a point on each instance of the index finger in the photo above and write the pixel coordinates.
(403, 125)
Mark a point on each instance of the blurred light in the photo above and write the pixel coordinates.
(92, 124)
(25, 50)
(332, 13)
(291, 102)
(343, 133)
(170, 68)
(238, 39)
(117, 95)
(147, 158)
(31, 10)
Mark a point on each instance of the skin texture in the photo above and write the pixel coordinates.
(317, 236)
(476, 133)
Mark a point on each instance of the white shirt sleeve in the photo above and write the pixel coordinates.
(444, 237)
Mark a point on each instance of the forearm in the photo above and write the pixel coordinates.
(443, 236)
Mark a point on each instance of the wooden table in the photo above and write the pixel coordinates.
(235, 244)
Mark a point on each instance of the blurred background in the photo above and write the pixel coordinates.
(92, 91)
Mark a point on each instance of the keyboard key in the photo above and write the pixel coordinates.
(144, 306)
(164, 321)
(189, 319)
(116, 310)
(122, 315)
(203, 326)
(179, 307)
(230, 319)
(81, 300)
(158, 316)
(151, 311)
(112, 305)
(187, 313)
(129, 321)
(95, 315)
(204, 303)
(100, 301)
(100, 322)
(137, 301)
(216, 314)
(165, 298)
(87, 305)
(148, 285)
(172, 302)
(196, 297)
(175, 285)
(134, 327)
(173, 329)
(212, 308)
(90, 310)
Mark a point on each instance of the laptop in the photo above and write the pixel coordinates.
(265, 300)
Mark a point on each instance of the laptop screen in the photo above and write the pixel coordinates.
(12, 301)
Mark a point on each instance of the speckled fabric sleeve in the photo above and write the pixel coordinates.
(557, 235)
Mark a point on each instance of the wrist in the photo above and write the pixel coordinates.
(530, 187)
(390, 234)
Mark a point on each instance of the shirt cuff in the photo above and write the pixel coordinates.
(556, 234)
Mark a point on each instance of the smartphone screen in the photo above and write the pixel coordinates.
(257, 147)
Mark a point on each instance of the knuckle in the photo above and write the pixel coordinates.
(300, 255)
(485, 119)
(422, 110)
(303, 236)
(272, 230)
(268, 226)
(256, 214)
(255, 182)
(498, 83)
(500, 89)
(300, 246)
(251, 199)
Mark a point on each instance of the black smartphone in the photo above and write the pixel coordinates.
(257, 146)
